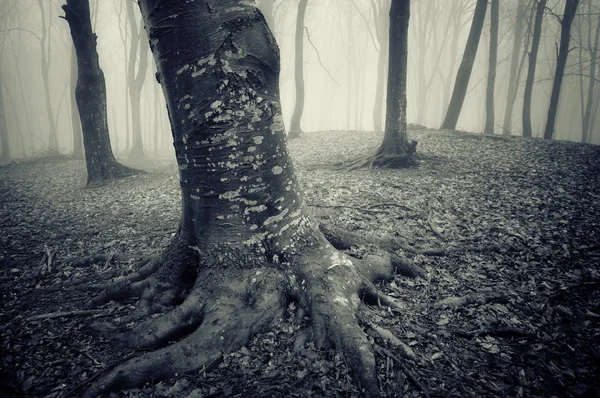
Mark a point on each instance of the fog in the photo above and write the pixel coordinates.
(340, 70)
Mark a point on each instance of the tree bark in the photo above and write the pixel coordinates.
(535, 45)
(561, 61)
(396, 150)
(91, 97)
(295, 125)
(513, 82)
(246, 245)
(75, 120)
(466, 66)
(491, 79)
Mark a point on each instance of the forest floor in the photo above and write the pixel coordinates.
(510, 304)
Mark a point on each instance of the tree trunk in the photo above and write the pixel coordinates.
(136, 80)
(466, 66)
(513, 82)
(383, 35)
(295, 125)
(395, 150)
(585, 129)
(535, 45)
(75, 120)
(5, 151)
(91, 97)
(561, 61)
(491, 78)
(246, 245)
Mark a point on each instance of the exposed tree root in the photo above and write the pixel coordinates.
(229, 303)
(474, 298)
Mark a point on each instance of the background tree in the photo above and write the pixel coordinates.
(593, 54)
(561, 61)
(91, 97)
(513, 79)
(382, 23)
(466, 66)
(246, 244)
(136, 78)
(77, 152)
(295, 127)
(491, 79)
(535, 45)
(4, 148)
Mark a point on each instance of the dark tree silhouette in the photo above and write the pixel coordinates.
(535, 45)
(491, 79)
(466, 66)
(295, 124)
(561, 61)
(246, 244)
(91, 97)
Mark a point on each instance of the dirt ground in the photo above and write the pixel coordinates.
(507, 229)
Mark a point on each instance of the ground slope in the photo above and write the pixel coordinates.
(510, 305)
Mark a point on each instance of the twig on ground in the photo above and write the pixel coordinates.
(348, 207)
(497, 332)
(64, 314)
(473, 298)
(407, 372)
(389, 337)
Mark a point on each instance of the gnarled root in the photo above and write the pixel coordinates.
(230, 303)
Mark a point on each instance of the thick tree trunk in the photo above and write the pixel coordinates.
(491, 78)
(466, 66)
(535, 45)
(246, 243)
(587, 116)
(295, 125)
(383, 35)
(4, 148)
(396, 150)
(75, 120)
(91, 97)
(513, 81)
(561, 61)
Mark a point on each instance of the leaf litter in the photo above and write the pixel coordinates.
(509, 307)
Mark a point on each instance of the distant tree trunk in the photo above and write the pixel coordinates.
(561, 61)
(535, 45)
(466, 66)
(383, 35)
(136, 80)
(75, 121)
(585, 128)
(45, 68)
(91, 97)
(513, 82)
(295, 125)
(491, 79)
(5, 151)
(396, 150)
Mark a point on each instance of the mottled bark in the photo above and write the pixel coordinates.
(561, 62)
(466, 66)
(246, 243)
(91, 97)
(491, 78)
(535, 45)
(295, 124)
(75, 120)
(513, 80)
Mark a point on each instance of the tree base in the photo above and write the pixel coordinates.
(227, 303)
(113, 172)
